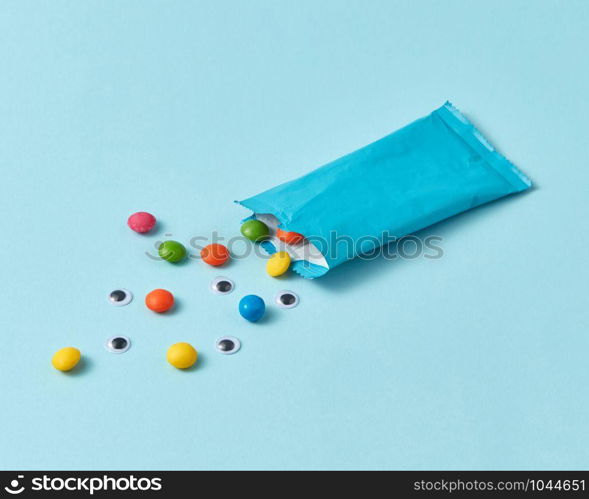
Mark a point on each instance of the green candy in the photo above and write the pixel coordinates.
(172, 251)
(255, 230)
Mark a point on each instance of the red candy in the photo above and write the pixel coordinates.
(215, 254)
(289, 237)
(159, 300)
(141, 222)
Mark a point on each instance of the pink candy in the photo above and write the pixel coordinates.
(141, 222)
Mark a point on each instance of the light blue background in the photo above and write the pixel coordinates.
(477, 360)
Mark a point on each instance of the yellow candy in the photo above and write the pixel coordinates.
(278, 263)
(182, 355)
(66, 359)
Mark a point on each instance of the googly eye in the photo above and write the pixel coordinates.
(286, 299)
(222, 285)
(228, 345)
(118, 344)
(120, 297)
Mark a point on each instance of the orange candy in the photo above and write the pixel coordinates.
(289, 237)
(215, 254)
(159, 300)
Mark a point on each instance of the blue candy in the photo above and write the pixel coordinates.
(252, 308)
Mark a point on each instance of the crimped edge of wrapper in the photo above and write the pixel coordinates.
(463, 127)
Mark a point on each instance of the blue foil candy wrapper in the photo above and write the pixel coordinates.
(432, 169)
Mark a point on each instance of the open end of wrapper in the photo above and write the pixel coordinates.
(307, 260)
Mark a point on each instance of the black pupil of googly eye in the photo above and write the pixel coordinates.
(118, 295)
(287, 299)
(226, 345)
(118, 343)
(224, 286)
